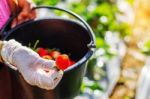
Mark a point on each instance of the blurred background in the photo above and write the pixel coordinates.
(122, 35)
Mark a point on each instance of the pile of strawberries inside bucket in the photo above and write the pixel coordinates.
(63, 61)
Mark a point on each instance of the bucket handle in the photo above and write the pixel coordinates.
(91, 34)
(88, 28)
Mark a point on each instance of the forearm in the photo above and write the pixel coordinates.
(1, 45)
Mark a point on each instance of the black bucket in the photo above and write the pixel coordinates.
(74, 37)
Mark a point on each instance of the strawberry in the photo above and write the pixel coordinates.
(54, 54)
(71, 62)
(47, 57)
(62, 61)
(42, 52)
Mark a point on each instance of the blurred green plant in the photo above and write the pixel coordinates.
(46, 2)
(102, 17)
(145, 48)
(130, 1)
(89, 84)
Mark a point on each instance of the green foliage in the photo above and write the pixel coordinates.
(46, 2)
(146, 47)
(130, 1)
(124, 29)
(126, 97)
(100, 43)
(89, 84)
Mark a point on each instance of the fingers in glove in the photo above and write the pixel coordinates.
(47, 64)
(57, 75)
(47, 82)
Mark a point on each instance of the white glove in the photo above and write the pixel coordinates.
(35, 70)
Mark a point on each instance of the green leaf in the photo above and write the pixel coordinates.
(99, 42)
(146, 47)
(46, 2)
(130, 1)
(93, 85)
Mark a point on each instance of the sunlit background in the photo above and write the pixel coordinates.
(122, 33)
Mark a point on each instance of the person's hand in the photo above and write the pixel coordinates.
(35, 70)
(24, 10)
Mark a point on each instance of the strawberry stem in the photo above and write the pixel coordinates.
(29, 45)
(35, 45)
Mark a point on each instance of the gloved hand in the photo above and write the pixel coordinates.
(35, 70)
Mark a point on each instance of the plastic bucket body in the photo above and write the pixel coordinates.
(66, 35)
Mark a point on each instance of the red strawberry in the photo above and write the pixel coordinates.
(62, 61)
(42, 52)
(71, 62)
(54, 54)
